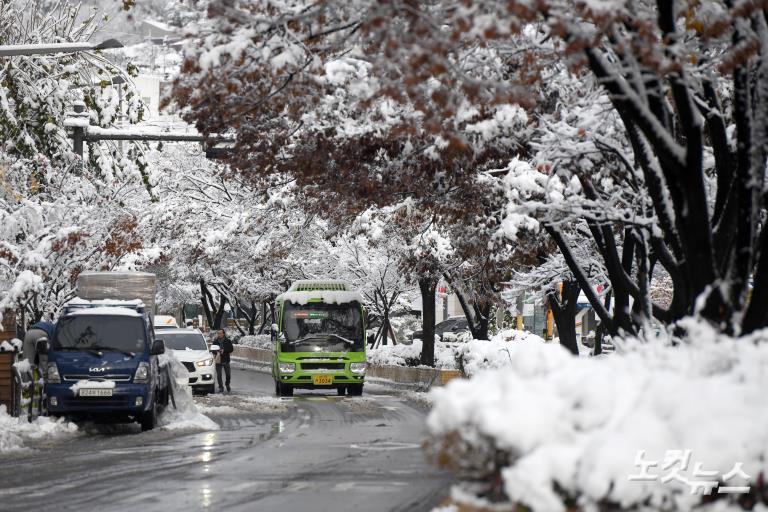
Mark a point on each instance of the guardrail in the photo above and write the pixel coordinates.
(420, 379)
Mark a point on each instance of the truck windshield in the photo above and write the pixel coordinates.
(317, 327)
(100, 332)
(182, 340)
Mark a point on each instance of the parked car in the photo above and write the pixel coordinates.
(454, 325)
(189, 347)
(165, 322)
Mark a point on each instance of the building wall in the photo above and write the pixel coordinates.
(149, 89)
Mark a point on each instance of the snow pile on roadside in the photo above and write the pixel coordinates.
(16, 433)
(477, 355)
(186, 415)
(256, 341)
(551, 420)
(410, 355)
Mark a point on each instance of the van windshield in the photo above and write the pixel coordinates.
(318, 327)
(83, 332)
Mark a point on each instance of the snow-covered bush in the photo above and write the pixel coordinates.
(256, 341)
(476, 355)
(410, 355)
(551, 431)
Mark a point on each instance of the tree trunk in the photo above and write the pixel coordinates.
(219, 317)
(482, 320)
(207, 299)
(427, 286)
(601, 329)
(264, 317)
(564, 313)
(252, 319)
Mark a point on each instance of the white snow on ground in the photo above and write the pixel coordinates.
(223, 405)
(186, 415)
(17, 433)
(256, 341)
(580, 422)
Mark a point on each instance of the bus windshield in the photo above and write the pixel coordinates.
(318, 327)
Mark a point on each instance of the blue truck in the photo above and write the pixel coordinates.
(103, 363)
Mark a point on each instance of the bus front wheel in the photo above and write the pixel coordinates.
(284, 389)
(355, 390)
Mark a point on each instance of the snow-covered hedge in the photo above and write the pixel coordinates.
(256, 341)
(474, 356)
(551, 431)
(455, 353)
(410, 355)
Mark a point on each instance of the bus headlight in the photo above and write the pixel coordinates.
(357, 367)
(287, 367)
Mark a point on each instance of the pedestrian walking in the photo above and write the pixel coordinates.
(222, 359)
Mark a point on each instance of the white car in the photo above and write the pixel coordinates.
(189, 347)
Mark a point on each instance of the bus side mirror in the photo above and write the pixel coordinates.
(41, 346)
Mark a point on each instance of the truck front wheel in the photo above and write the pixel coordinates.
(148, 420)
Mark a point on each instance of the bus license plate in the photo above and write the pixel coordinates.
(322, 380)
(95, 392)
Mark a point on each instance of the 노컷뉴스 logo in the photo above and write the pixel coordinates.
(675, 467)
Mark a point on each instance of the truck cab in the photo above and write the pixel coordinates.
(103, 364)
(319, 339)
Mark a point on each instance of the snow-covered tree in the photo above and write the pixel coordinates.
(405, 99)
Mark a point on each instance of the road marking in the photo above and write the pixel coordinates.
(385, 446)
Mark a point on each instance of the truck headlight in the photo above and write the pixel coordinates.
(52, 374)
(142, 373)
(357, 367)
(287, 367)
(205, 362)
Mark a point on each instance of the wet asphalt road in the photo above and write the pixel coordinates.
(314, 452)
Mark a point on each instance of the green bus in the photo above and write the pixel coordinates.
(319, 338)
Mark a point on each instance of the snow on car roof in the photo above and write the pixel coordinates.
(106, 310)
(77, 301)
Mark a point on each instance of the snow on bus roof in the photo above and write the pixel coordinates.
(327, 296)
(306, 285)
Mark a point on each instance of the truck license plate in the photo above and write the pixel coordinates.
(322, 380)
(95, 392)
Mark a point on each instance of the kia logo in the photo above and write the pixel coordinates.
(94, 370)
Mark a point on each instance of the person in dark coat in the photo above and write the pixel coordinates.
(36, 332)
(222, 359)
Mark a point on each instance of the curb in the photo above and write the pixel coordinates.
(405, 377)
